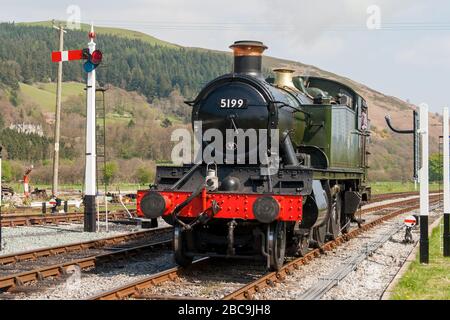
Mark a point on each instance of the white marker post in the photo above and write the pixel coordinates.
(446, 164)
(423, 180)
(90, 184)
(1, 193)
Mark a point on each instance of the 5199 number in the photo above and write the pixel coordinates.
(233, 103)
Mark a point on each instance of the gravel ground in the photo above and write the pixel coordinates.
(27, 265)
(83, 285)
(368, 281)
(19, 239)
(373, 275)
(217, 279)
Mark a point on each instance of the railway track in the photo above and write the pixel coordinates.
(388, 196)
(107, 249)
(79, 246)
(41, 219)
(138, 289)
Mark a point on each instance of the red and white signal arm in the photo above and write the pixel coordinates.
(68, 55)
(410, 221)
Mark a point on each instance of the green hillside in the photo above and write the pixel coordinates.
(44, 94)
(123, 33)
(131, 61)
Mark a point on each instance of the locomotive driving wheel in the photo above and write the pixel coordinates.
(179, 247)
(277, 244)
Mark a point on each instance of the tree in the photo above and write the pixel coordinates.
(131, 123)
(435, 167)
(110, 172)
(166, 123)
(7, 172)
(144, 175)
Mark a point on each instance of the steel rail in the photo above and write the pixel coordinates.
(30, 220)
(392, 204)
(136, 288)
(17, 220)
(387, 196)
(18, 279)
(326, 283)
(79, 246)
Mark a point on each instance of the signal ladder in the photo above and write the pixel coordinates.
(100, 139)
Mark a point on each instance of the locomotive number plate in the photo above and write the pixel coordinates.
(233, 103)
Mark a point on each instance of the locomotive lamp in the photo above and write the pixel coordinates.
(212, 181)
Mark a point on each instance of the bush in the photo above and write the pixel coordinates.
(435, 167)
(110, 172)
(144, 175)
(7, 174)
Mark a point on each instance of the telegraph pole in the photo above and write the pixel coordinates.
(446, 164)
(90, 184)
(61, 30)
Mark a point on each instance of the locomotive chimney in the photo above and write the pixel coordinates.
(283, 77)
(248, 57)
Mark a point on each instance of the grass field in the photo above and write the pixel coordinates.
(426, 282)
(44, 94)
(397, 186)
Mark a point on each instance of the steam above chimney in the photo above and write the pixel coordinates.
(283, 78)
(248, 57)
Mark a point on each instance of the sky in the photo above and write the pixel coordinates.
(400, 48)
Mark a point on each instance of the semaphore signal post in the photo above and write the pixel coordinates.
(446, 173)
(93, 58)
(90, 184)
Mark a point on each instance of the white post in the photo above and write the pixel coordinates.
(106, 212)
(446, 164)
(423, 176)
(1, 178)
(90, 184)
(1, 193)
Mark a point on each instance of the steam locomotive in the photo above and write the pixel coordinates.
(307, 182)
